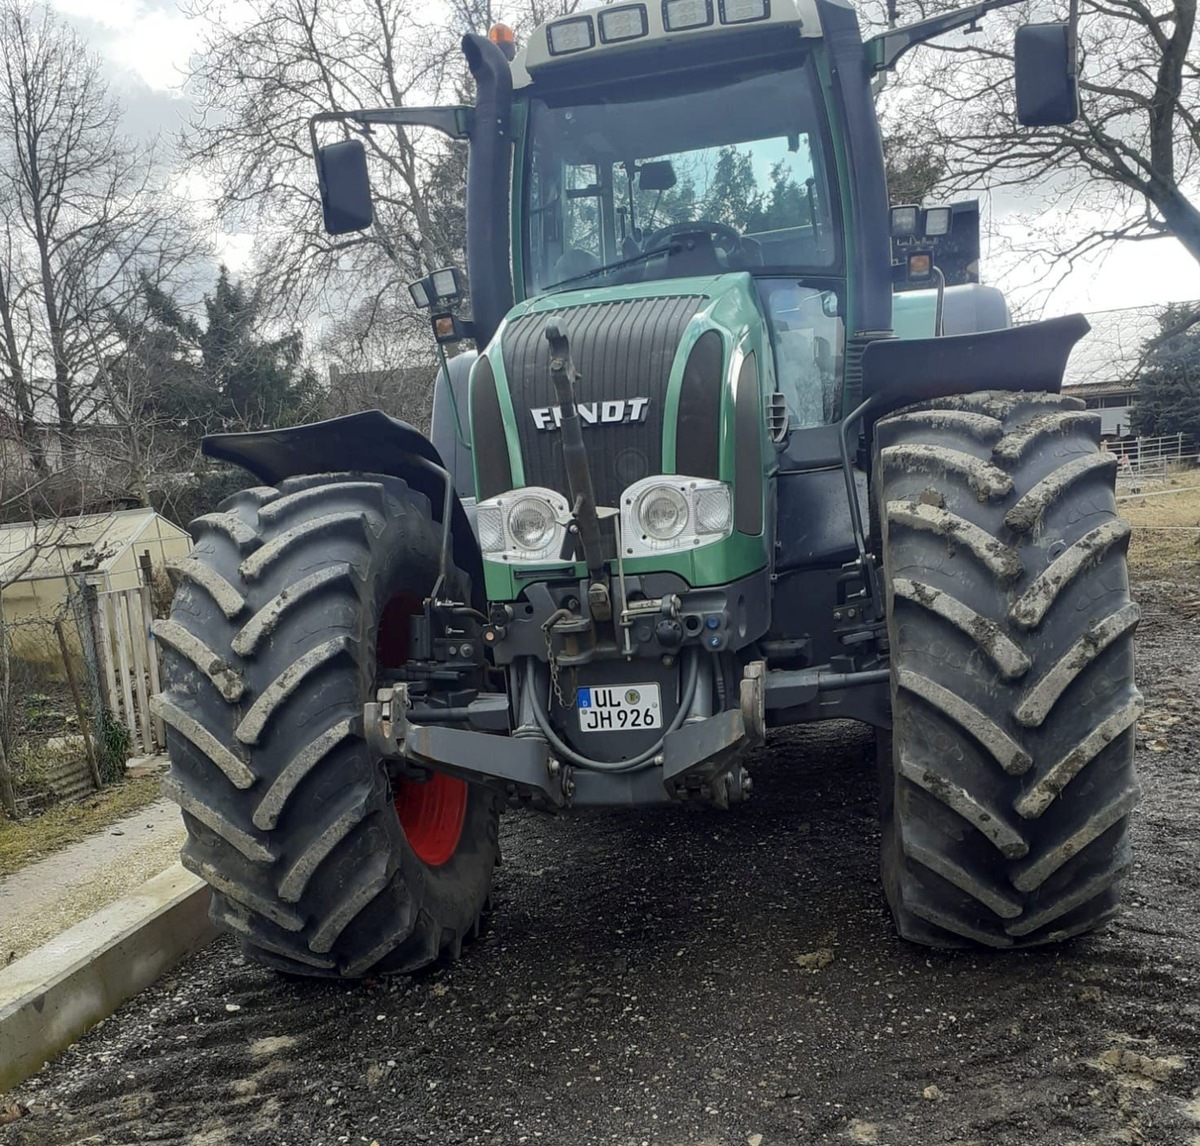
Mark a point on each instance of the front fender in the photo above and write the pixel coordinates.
(369, 442)
(897, 371)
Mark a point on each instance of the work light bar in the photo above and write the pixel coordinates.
(567, 36)
(744, 11)
(679, 15)
(625, 23)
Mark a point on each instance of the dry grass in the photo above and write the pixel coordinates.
(27, 840)
(1166, 528)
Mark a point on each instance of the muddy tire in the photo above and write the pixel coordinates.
(1010, 781)
(318, 864)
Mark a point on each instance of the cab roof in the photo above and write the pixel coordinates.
(623, 30)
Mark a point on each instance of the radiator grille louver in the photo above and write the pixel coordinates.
(622, 351)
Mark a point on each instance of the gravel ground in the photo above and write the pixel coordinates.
(45, 898)
(702, 978)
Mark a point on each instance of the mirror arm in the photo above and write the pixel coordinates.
(452, 121)
(885, 49)
(1073, 25)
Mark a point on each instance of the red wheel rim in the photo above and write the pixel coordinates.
(431, 813)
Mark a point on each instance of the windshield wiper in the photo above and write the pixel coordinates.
(608, 268)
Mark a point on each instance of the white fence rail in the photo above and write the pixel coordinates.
(1153, 457)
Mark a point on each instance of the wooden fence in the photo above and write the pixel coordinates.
(128, 664)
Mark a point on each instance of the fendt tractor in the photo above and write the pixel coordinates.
(711, 469)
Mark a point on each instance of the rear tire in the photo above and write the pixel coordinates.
(317, 863)
(1010, 780)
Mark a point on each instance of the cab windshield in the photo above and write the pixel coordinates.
(642, 184)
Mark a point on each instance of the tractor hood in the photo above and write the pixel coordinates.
(648, 377)
(672, 380)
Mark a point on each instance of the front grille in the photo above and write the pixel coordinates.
(622, 351)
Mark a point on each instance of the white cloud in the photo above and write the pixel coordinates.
(149, 41)
(236, 251)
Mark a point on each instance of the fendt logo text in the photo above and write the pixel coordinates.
(592, 413)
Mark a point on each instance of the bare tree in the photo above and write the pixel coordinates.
(20, 501)
(258, 81)
(1127, 170)
(380, 357)
(85, 214)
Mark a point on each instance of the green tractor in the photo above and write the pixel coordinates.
(689, 487)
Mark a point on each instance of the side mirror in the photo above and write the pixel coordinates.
(1047, 84)
(656, 175)
(345, 187)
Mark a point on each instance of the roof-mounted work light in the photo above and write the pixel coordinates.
(628, 22)
(444, 286)
(567, 36)
(744, 11)
(680, 15)
(422, 293)
(937, 222)
(447, 284)
(906, 221)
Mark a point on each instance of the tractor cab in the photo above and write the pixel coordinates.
(720, 173)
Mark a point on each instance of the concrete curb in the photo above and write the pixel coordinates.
(55, 994)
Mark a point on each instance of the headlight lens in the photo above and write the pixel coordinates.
(662, 512)
(531, 524)
(489, 527)
(522, 525)
(671, 514)
(714, 512)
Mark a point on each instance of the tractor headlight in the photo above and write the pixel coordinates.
(531, 524)
(523, 525)
(662, 512)
(669, 514)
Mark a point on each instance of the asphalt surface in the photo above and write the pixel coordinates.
(706, 978)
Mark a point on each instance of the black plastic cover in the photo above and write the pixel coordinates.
(1029, 357)
(450, 426)
(489, 440)
(698, 427)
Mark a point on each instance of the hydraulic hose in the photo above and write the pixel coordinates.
(569, 754)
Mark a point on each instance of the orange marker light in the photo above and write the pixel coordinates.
(502, 36)
(920, 265)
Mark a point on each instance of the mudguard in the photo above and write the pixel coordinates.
(1030, 357)
(369, 442)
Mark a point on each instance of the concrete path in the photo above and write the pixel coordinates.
(42, 900)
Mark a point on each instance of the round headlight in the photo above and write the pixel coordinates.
(663, 512)
(531, 524)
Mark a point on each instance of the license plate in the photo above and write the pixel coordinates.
(619, 708)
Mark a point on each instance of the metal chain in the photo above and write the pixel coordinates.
(555, 683)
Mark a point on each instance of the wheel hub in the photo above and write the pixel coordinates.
(432, 814)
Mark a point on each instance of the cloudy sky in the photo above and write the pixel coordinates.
(147, 45)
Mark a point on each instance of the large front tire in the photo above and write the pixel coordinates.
(1010, 779)
(286, 606)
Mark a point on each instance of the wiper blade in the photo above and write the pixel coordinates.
(608, 268)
